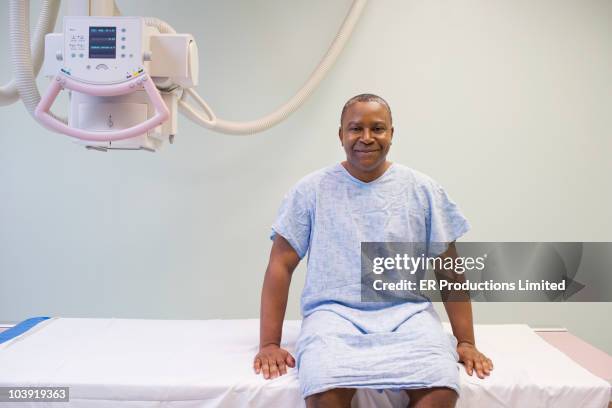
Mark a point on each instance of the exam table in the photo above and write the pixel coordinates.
(208, 363)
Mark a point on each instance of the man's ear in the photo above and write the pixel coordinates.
(340, 135)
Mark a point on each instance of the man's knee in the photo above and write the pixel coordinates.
(334, 398)
(438, 397)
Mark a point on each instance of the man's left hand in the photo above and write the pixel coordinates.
(474, 360)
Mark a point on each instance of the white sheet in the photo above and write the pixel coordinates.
(188, 363)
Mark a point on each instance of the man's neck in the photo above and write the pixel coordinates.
(366, 176)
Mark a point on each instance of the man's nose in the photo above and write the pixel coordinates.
(366, 136)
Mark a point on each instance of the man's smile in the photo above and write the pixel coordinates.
(366, 151)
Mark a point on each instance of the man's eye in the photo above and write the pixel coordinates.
(354, 129)
(379, 129)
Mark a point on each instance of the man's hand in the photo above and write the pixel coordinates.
(272, 361)
(474, 359)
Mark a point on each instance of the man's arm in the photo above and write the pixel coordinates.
(272, 359)
(459, 309)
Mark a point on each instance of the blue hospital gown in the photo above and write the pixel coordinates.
(347, 343)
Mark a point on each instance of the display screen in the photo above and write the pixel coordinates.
(102, 42)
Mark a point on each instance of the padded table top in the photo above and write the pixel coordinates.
(208, 363)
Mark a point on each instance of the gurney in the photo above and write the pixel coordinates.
(209, 363)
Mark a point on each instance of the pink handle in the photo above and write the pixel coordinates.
(62, 81)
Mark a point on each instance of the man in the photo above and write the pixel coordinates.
(345, 343)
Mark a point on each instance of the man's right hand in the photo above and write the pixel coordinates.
(272, 361)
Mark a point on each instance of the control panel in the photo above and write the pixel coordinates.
(103, 50)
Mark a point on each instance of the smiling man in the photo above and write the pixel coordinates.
(346, 343)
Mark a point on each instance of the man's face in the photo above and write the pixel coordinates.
(366, 134)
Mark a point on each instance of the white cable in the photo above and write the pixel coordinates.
(19, 30)
(241, 128)
(191, 113)
(116, 11)
(45, 25)
(254, 126)
(162, 26)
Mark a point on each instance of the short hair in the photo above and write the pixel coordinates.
(366, 97)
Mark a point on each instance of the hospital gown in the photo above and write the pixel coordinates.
(347, 343)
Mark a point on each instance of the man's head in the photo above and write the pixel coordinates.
(366, 130)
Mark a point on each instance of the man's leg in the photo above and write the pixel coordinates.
(436, 397)
(334, 398)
